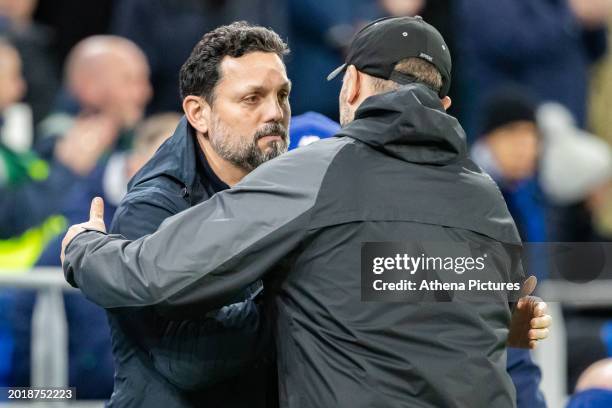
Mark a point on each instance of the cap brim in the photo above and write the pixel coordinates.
(336, 71)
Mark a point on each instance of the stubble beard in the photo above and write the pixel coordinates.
(346, 116)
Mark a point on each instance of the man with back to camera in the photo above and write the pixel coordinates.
(250, 233)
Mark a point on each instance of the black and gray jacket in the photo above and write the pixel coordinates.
(398, 172)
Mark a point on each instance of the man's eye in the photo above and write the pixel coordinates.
(251, 99)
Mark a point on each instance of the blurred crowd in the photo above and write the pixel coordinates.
(89, 91)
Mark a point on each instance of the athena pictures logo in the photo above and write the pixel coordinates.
(440, 271)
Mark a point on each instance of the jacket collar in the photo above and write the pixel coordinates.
(178, 158)
(409, 124)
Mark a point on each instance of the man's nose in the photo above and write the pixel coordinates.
(274, 111)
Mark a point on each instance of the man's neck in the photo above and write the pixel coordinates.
(227, 172)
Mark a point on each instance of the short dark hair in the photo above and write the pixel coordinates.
(423, 71)
(200, 73)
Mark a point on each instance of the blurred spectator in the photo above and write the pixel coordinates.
(507, 149)
(30, 189)
(592, 398)
(592, 14)
(12, 84)
(576, 169)
(575, 164)
(600, 120)
(32, 40)
(403, 7)
(310, 127)
(110, 178)
(547, 46)
(91, 365)
(106, 89)
(598, 375)
(16, 130)
(594, 388)
(167, 30)
(149, 136)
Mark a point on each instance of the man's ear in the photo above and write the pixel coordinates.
(352, 82)
(447, 102)
(197, 112)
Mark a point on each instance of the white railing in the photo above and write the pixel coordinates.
(49, 364)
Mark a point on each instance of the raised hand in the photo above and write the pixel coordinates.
(96, 222)
(530, 322)
(88, 139)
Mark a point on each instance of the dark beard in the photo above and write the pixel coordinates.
(250, 156)
(256, 157)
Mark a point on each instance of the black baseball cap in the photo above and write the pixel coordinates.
(380, 45)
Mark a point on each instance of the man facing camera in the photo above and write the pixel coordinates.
(235, 98)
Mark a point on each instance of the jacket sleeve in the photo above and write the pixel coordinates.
(526, 377)
(141, 213)
(195, 353)
(205, 255)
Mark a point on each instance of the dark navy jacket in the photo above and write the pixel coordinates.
(161, 362)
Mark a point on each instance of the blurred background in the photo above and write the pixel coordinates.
(80, 113)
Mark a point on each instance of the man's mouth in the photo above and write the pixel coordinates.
(269, 138)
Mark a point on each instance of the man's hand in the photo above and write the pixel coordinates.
(530, 322)
(96, 222)
(85, 142)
